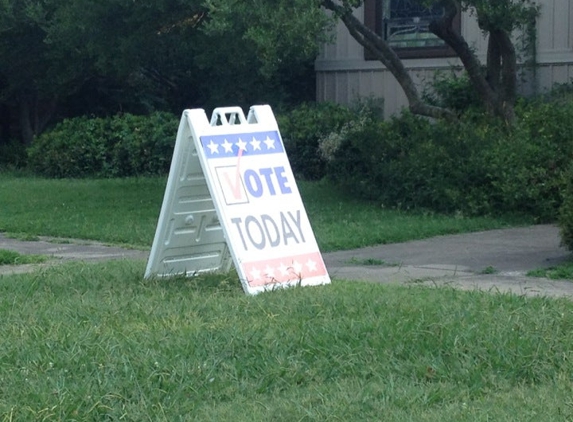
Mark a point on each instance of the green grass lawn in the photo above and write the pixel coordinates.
(96, 342)
(563, 271)
(126, 211)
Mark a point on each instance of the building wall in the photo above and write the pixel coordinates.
(343, 75)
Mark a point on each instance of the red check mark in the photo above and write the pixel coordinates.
(236, 186)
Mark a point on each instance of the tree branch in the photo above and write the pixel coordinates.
(509, 66)
(385, 54)
(493, 65)
(443, 28)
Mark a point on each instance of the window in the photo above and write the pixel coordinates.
(404, 24)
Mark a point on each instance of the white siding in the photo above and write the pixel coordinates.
(343, 75)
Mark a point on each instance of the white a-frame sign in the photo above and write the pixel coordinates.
(231, 196)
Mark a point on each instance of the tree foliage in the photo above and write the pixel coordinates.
(279, 30)
(63, 58)
(115, 51)
(25, 77)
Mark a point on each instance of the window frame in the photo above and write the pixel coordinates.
(373, 19)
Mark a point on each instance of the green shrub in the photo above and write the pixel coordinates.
(561, 93)
(123, 145)
(301, 130)
(13, 155)
(362, 157)
(406, 162)
(566, 211)
(532, 161)
(453, 91)
(474, 166)
(142, 146)
(74, 148)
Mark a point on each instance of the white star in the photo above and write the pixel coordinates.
(256, 144)
(297, 267)
(228, 146)
(213, 147)
(311, 265)
(241, 144)
(269, 271)
(283, 269)
(269, 142)
(256, 274)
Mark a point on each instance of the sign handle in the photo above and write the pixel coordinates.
(227, 116)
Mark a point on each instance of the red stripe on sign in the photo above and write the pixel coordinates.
(285, 269)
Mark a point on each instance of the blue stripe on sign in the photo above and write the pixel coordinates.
(258, 143)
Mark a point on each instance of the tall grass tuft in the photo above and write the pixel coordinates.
(97, 342)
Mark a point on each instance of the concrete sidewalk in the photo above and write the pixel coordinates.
(492, 260)
(495, 260)
(62, 250)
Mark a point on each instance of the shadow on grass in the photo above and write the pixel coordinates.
(213, 283)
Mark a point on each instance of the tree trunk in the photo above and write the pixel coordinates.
(385, 54)
(34, 115)
(493, 65)
(5, 122)
(497, 88)
(486, 90)
(26, 129)
(508, 89)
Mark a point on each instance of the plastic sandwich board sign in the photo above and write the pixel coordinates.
(231, 197)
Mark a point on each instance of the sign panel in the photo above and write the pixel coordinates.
(189, 238)
(260, 218)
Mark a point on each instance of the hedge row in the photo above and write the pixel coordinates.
(124, 145)
(475, 166)
(301, 130)
(128, 145)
